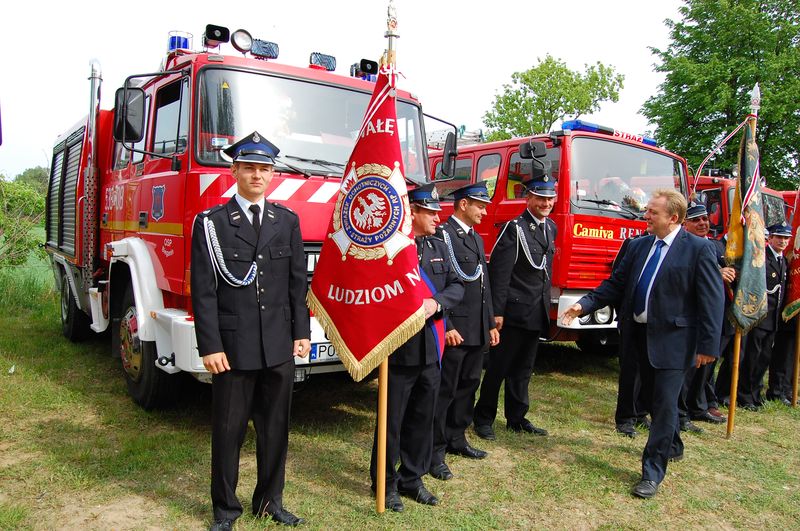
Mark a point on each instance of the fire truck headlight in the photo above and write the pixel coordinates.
(603, 315)
(242, 40)
(585, 319)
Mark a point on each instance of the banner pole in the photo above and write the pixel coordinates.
(796, 371)
(737, 348)
(383, 394)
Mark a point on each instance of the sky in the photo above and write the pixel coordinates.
(454, 56)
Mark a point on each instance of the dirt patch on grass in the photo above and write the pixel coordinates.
(11, 456)
(126, 512)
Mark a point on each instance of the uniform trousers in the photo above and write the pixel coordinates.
(664, 440)
(722, 386)
(409, 426)
(754, 366)
(461, 376)
(511, 360)
(265, 395)
(781, 366)
(630, 406)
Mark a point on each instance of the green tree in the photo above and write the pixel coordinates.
(21, 210)
(37, 178)
(718, 51)
(539, 97)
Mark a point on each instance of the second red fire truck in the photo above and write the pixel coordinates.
(604, 178)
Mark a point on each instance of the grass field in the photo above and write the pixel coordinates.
(75, 452)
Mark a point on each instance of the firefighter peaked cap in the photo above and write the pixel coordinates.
(253, 148)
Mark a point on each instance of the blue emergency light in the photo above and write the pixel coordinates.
(179, 40)
(581, 125)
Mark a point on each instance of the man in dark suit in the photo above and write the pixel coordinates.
(760, 339)
(697, 398)
(414, 367)
(669, 292)
(470, 330)
(520, 269)
(630, 410)
(248, 279)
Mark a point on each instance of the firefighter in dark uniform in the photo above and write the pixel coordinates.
(470, 330)
(520, 270)
(414, 367)
(760, 339)
(248, 279)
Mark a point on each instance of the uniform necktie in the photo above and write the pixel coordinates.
(543, 225)
(640, 294)
(256, 210)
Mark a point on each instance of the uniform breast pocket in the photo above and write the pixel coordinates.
(238, 260)
(438, 268)
(280, 260)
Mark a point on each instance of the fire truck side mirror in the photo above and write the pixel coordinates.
(129, 115)
(449, 154)
(533, 149)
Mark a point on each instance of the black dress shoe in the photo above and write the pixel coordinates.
(751, 407)
(786, 401)
(643, 423)
(645, 489)
(627, 430)
(420, 495)
(689, 426)
(282, 516)
(393, 502)
(468, 451)
(221, 525)
(527, 427)
(441, 471)
(676, 458)
(484, 431)
(706, 416)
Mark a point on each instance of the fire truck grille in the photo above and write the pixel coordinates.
(589, 266)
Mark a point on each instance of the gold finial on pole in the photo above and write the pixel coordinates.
(391, 33)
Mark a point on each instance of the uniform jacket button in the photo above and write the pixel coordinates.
(261, 257)
(263, 308)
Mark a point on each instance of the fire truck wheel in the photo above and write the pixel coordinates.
(74, 323)
(148, 385)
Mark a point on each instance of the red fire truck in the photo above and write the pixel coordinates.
(604, 179)
(126, 184)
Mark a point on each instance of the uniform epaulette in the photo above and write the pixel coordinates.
(439, 231)
(437, 236)
(208, 212)
(283, 207)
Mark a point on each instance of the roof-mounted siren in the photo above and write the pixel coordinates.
(179, 40)
(321, 61)
(366, 69)
(215, 35)
(244, 42)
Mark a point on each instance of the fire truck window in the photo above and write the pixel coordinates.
(616, 180)
(461, 176)
(123, 156)
(172, 119)
(714, 206)
(519, 171)
(489, 170)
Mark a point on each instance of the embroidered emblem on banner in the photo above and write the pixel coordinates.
(157, 207)
(371, 214)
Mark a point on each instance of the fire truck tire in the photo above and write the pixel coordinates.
(149, 386)
(74, 322)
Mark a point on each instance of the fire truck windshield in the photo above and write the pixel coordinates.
(613, 179)
(314, 125)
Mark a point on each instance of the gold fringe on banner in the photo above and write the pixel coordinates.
(359, 370)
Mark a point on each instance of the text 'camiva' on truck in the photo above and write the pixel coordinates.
(126, 184)
(604, 179)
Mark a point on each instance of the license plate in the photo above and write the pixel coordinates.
(323, 352)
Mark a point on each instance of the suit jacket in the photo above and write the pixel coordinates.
(254, 325)
(684, 314)
(473, 316)
(776, 276)
(520, 292)
(719, 252)
(420, 349)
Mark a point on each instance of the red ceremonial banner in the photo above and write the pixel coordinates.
(792, 299)
(367, 290)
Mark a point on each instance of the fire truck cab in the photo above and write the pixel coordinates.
(126, 185)
(604, 179)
